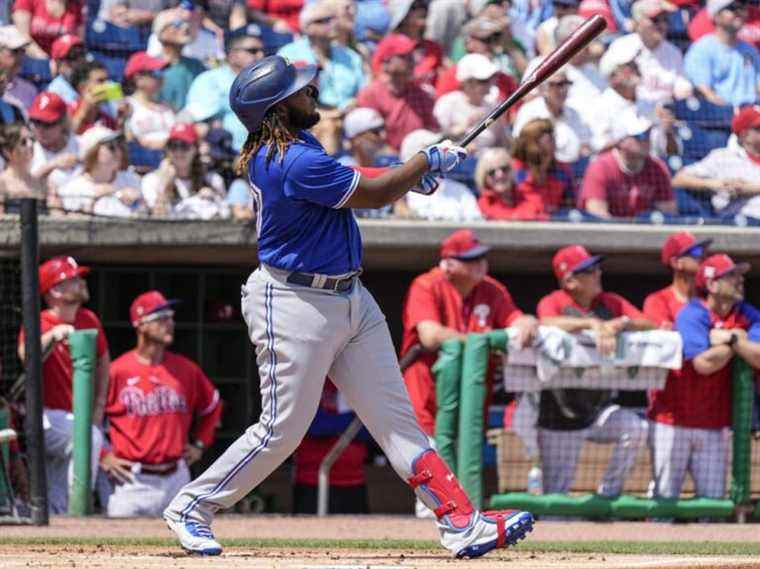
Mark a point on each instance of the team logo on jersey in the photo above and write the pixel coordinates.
(163, 399)
(481, 312)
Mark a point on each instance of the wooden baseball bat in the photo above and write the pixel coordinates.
(579, 39)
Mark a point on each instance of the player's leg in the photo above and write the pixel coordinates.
(57, 432)
(671, 449)
(559, 451)
(708, 463)
(628, 431)
(367, 373)
(296, 333)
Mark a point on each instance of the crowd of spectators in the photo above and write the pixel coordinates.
(124, 103)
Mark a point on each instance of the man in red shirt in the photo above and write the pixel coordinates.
(568, 417)
(681, 253)
(403, 105)
(65, 291)
(162, 411)
(691, 416)
(449, 301)
(627, 181)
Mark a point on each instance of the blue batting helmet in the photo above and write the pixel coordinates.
(263, 84)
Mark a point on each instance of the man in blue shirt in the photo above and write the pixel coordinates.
(208, 97)
(723, 68)
(309, 316)
(341, 72)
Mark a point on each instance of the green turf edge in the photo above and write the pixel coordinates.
(609, 547)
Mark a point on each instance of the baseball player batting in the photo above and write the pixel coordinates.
(309, 316)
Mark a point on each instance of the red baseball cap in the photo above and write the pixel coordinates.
(141, 61)
(392, 44)
(151, 302)
(184, 132)
(717, 266)
(572, 259)
(463, 244)
(61, 47)
(57, 270)
(47, 107)
(747, 118)
(679, 244)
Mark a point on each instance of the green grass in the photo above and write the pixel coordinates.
(602, 547)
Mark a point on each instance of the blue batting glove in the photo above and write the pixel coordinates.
(444, 156)
(427, 185)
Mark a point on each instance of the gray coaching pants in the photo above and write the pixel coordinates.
(302, 335)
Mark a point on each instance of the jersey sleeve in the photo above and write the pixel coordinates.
(548, 307)
(656, 310)
(208, 409)
(315, 177)
(694, 326)
(420, 304)
(753, 316)
(624, 308)
(506, 309)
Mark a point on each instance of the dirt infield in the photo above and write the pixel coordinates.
(58, 554)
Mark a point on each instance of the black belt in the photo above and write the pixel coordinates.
(160, 470)
(327, 283)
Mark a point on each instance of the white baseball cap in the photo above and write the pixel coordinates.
(94, 136)
(475, 66)
(715, 6)
(11, 38)
(361, 120)
(630, 124)
(618, 54)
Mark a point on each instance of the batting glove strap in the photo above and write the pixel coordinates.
(427, 185)
(444, 156)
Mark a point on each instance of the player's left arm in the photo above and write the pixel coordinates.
(208, 412)
(510, 315)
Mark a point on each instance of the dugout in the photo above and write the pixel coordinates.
(204, 264)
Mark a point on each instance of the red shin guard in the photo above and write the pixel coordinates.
(439, 485)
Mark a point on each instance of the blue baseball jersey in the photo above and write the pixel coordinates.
(301, 222)
(695, 321)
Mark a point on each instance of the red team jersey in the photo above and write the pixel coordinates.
(662, 307)
(151, 408)
(606, 305)
(432, 297)
(57, 371)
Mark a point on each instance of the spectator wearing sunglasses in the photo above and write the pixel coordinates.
(174, 34)
(659, 61)
(460, 110)
(341, 74)
(572, 135)
(209, 95)
(482, 36)
(730, 176)
(498, 198)
(724, 69)
(67, 52)
(150, 120)
(56, 150)
(206, 38)
(568, 417)
(681, 254)
(13, 45)
(16, 181)
(182, 187)
(627, 181)
(105, 185)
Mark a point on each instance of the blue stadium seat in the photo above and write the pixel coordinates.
(693, 204)
(699, 141)
(37, 71)
(105, 37)
(143, 158)
(697, 111)
(677, 28)
(273, 41)
(115, 64)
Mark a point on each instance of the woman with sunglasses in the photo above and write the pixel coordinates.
(498, 199)
(150, 120)
(105, 186)
(16, 182)
(182, 186)
(541, 178)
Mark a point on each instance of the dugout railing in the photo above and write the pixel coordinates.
(461, 390)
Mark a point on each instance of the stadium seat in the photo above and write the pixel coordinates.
(677, 28)
(105, 37)
(698, 141)
(693, 204)
(699, 112)
(37, 71)
(143, 159)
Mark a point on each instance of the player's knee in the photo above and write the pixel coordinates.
(636, 432)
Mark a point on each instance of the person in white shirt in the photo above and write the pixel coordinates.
(452, 201)
(572, 136)
(150, 121)
(182, 187)
(659, 61)
(104, 186)
(587, 83)
(55, 154)
(206, 45)
(460, 110)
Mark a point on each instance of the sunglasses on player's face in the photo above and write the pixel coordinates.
(696, 252)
